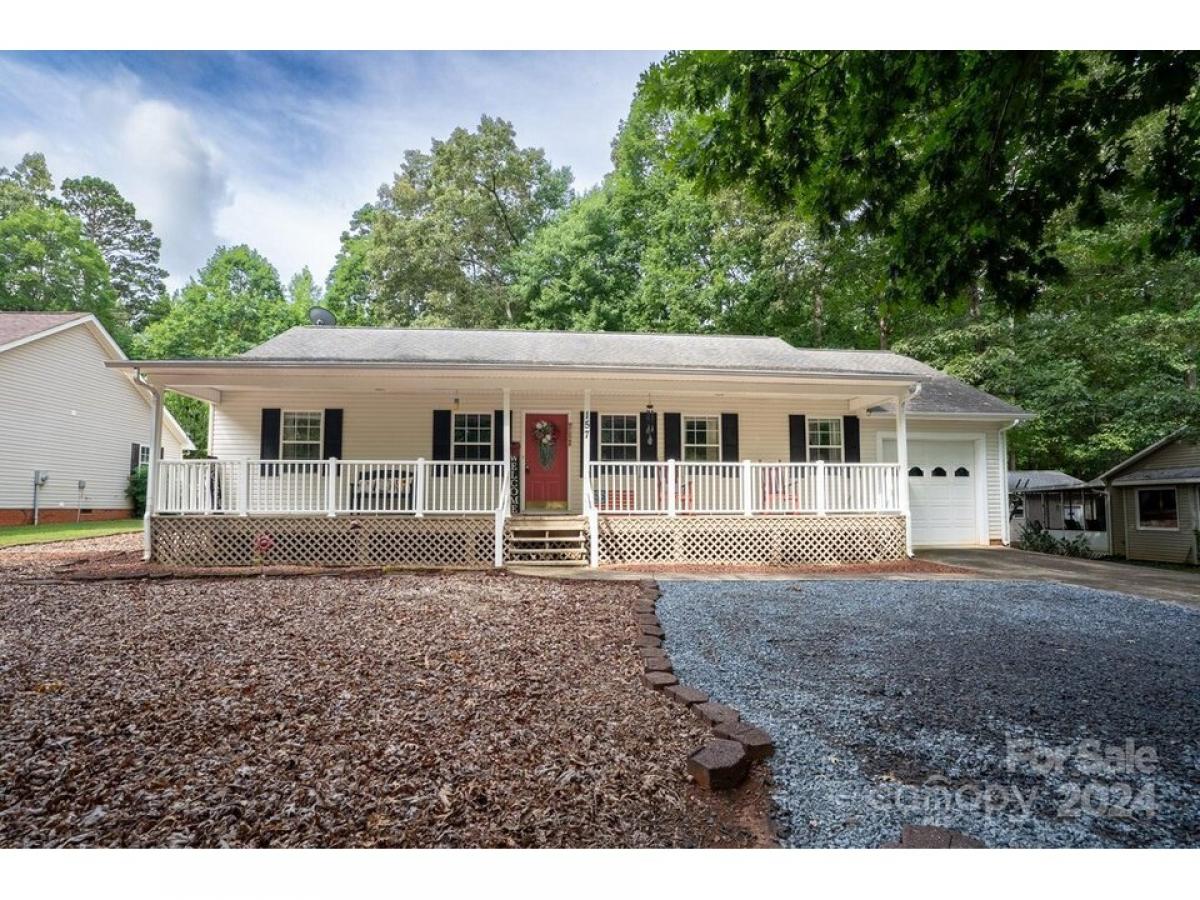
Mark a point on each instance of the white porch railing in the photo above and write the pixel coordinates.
(746, 488)
(330, 487)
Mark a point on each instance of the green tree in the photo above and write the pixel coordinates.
(47, 264)
(648, 251)
(445, 230)
(303, 291)
(351, 290)
(27, 184)
(127, 243)
(956, 161)
(234, 303)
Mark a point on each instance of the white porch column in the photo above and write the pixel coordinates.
(156, 423)
(902, 462)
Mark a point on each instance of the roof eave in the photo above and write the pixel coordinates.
(224, 365)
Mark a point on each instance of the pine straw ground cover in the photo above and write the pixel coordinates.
(414, 710)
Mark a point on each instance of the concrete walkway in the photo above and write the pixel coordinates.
(996, 563)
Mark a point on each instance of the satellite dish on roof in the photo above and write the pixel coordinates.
(319, 315)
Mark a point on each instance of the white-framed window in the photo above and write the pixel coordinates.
(702, 438)
(143, 454)
(825, 440)
(472, 437)
(618, 437)
(300, 434)
(1157, 509)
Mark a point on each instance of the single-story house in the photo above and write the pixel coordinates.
(1155, 501)
(1065, 506)
(71, 429)
(345, 445)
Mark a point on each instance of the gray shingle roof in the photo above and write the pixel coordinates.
(620, 350)
(1041, 480)
(1171, 473)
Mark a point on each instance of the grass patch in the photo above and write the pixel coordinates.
(15, 535)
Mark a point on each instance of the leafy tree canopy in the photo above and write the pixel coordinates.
(957, 161)
(127, 243)
(234, 303)
(47, 264)
(445, 229)
(26, 184)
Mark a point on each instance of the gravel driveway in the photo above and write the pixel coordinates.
(969, 705)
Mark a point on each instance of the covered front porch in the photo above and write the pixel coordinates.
(461, 469)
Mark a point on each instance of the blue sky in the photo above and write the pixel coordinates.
(277, 149)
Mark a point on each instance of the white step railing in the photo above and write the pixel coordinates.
(329, 487)
(745, 488)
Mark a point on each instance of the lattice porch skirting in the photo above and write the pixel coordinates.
(465, 542)
(751, 540)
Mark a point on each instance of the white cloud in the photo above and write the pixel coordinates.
(175, 179)
(254, 150)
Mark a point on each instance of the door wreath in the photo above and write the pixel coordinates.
(546, 436)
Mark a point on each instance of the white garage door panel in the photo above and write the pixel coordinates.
(944, 507)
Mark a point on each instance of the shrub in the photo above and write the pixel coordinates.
(135, 490)
(1038, 539)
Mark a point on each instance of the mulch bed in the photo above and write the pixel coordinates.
(407, 710)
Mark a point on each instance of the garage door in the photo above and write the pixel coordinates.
(941, 491)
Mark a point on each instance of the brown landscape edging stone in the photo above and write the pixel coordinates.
(724, 761)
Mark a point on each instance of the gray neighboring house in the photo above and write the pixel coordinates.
(1155, 500)
(1062, 504)
(1144, 508)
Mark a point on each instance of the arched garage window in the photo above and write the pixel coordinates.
(915, 472)
(962, 472)
(938, 472)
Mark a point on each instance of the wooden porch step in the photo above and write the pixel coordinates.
(547, 540)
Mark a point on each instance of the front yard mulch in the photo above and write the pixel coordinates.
(410, 710)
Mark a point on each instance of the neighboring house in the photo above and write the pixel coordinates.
(1062, 504)
(65, 413)
(1155, 500)
(457, 447)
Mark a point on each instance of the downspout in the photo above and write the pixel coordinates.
(152, 472)
(1006, 528)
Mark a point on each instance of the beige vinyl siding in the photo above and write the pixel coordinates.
(61, 410)
(400, 425)
(1176, 546)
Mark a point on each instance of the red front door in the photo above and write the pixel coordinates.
(546, 461)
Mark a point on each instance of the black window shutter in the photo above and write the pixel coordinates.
(498, 435)
(729, 437)
(333, 434)
(593, 443)
(135, 456)
(797, 439)
(268, 439)
(648, 436)
(442, 419)
(850, 439)
(672, 436)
